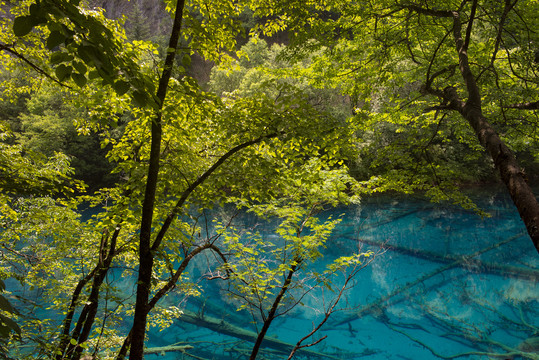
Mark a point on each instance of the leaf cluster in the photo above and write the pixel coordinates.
(85, 46)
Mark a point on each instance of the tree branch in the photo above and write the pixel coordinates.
(427, 11)
(430, 79)
(524, 106)
(10, 50)
(470, 26)
(508, 7)
(187, 192)
(474, 98)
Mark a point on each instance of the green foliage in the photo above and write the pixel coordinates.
(27, 172)
(7, 324)
(102, 52)
(268, 145)
(383, 54)
(260, 263)
(49, 126)
(259, 65)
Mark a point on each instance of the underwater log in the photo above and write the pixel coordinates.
(470, 264)
(164, 349)
(223, 327)
(373, 306)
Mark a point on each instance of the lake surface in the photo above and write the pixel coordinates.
(444, 284)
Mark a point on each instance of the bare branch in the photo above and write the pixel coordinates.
(508, 7)
(470, 26)
(524, 106)
(330, 310)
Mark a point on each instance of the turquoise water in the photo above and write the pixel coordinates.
(445, 283)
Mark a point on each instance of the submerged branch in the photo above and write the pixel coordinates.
(380, 302)
(471, 264)
(223, 327)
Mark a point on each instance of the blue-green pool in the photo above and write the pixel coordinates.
(445, 284)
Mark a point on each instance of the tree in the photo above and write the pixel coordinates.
(27, 181)
(273, 276)
(48, 125)
(184, 150)
(260, 63)
(424, 69)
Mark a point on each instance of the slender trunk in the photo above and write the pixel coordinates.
(87, 317)
(271, 314)
(64, 342)
(162, 292)
(145, 252)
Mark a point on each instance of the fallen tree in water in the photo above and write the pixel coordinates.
(163, 349)
(226, 328)
(388, 299)
(470, 264)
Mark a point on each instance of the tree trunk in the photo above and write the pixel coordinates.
(511, 174)
(471, 110)
(145, 252)
(273, 310)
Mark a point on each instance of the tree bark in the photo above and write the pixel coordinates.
(145, 252)
(511, 174)
(273, 310)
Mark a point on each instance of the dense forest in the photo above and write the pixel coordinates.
(124, 124)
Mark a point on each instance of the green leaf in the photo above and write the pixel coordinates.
(79, 79)
(63, 72)
(55, 38)
(121, 87)
(22, 25)
(80, 67)
(36, 10)
(88, 55)
(140, 98)
(12, 325)
(5, 305)
(59, 57)
(93, 74)
(73, 341)
(186, 60)
(2, 285)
